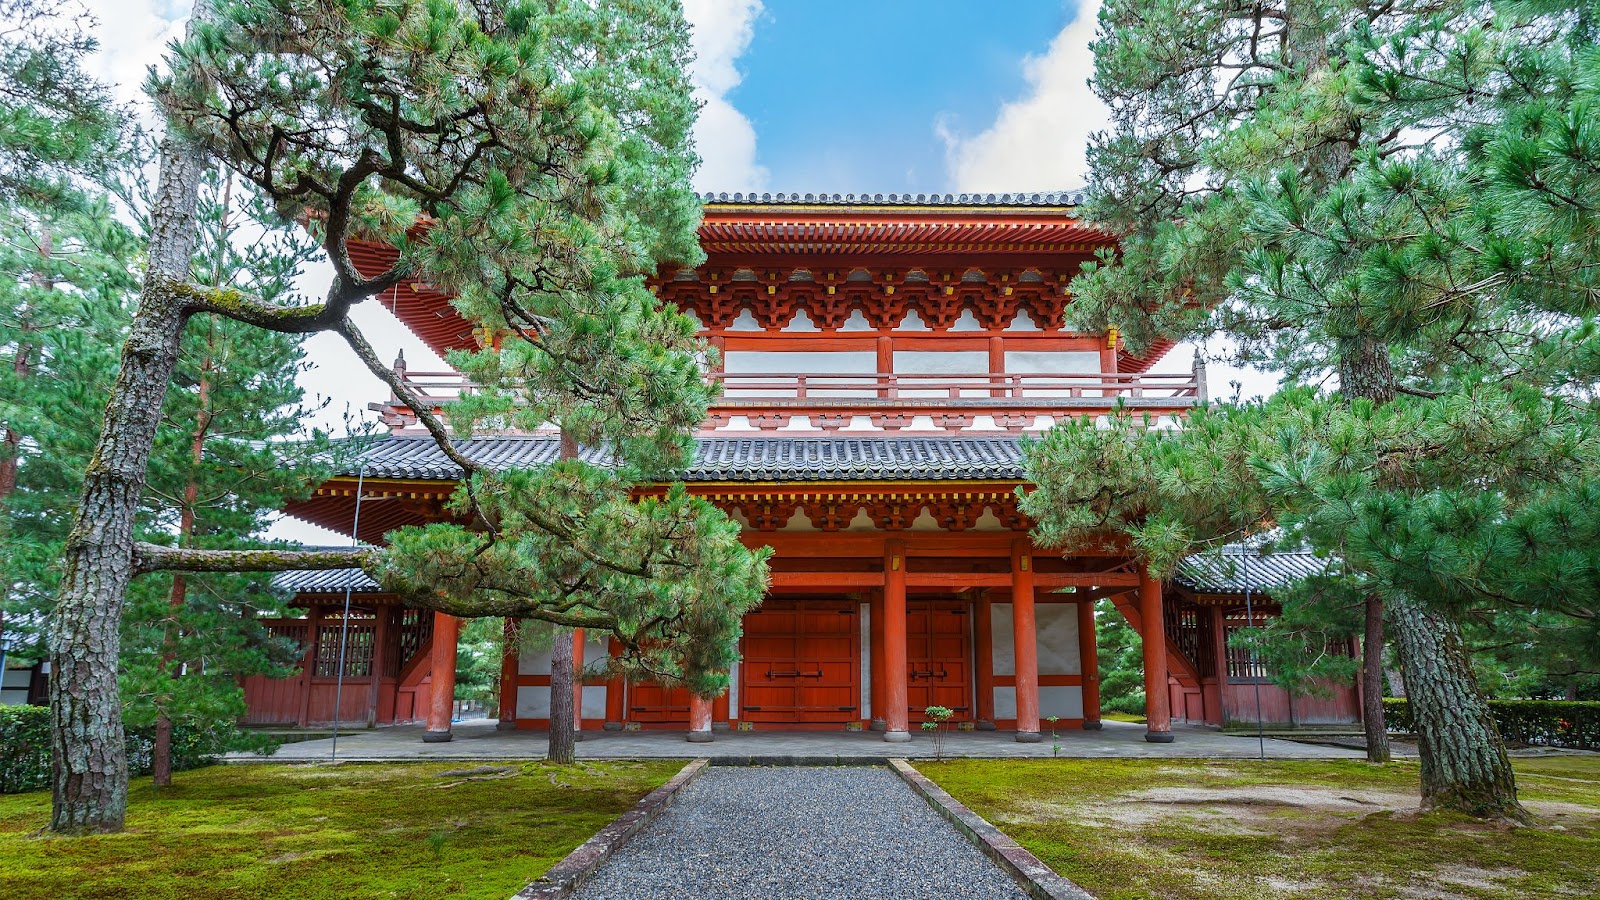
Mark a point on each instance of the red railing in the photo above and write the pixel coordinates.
(998, 385)
(443, 387)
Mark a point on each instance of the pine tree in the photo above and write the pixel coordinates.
(544, 149)
(1391, 195)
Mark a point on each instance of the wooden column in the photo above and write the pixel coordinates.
(442, 690)
(308, 665)
(878, 673)
(614, 689)
(380, 638)
(1089, 666)
(699, 719)
(1157, 700)
(508, 677)
(896, 695)
(577, 684)
(1024, 634)
(983, 637)
(1219, 638)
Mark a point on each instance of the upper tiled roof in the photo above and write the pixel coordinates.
(734, 459)
(1044, 198)
(1231, 569)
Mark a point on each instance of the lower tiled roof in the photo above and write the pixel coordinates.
(325, 581)
(732, 459)
(1232, 569)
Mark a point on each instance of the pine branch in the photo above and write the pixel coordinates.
(158, 558)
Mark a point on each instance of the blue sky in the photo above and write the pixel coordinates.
(847, 95)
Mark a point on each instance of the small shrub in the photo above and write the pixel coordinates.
(1574, 724)
(937, 716)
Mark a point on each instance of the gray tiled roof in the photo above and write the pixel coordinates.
(326, 581)
(1038, 198)
(1230, 569)
(734, 459)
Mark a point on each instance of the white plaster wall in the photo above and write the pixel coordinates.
(1055, 634)
(801, 362)
(1001, 642)
(942, 362)
(533, 701)
(1056, 625)
(866, 660)
(1053, 362)
(1065, 701)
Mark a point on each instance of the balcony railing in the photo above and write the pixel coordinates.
(1003, 386)
(894, 400)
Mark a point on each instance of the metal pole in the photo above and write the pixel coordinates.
(1250, 615)
(344, 627)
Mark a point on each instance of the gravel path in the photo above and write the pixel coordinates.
(803, 833)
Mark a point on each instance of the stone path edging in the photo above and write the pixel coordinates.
(1034, 876)
(565, 876)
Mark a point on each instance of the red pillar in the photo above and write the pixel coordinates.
(878, 673)
(699, 719)
(1024, 634)
(508, 678)
(1089, 666)
(442, 692)
(577, 683)
(896, 695)
(983, 636)
(1157, 702)
(614, 693)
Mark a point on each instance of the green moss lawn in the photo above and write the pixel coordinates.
(311, 832)
(1311, 829)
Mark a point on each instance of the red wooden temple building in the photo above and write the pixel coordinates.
(881, 360)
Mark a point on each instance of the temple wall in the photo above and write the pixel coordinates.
(1057, 636)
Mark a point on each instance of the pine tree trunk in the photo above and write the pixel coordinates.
(1372, 683)
(89, 762)
(1464, 762)
(161, 752)
(563, 732)
(563, 742)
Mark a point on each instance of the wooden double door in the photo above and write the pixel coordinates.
(939, 657)
(802, 663)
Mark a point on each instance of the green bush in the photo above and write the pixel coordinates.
(1553, 723)
(25, 748)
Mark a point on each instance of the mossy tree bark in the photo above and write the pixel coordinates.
(1464, 763)
(89, 771)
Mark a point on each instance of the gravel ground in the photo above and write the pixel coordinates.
(803, 833)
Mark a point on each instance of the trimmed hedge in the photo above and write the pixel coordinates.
(25, 748)
(1552, 723)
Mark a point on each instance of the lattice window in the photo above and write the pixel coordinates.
(358, 648)
(416, 629)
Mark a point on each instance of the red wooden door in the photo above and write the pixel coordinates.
(652, 703)
(938, 643)
(801, 663)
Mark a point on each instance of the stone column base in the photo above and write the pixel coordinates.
(700, 737)
(1092, 725)
(505, 726)
(986, 725)
(877, 725)
(1158, 737)
(897, 737)
(721, 726)
(437, 737)
(1027, 737)
(612, 726)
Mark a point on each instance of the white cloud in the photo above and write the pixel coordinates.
(1037, 141)
(726, 141)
